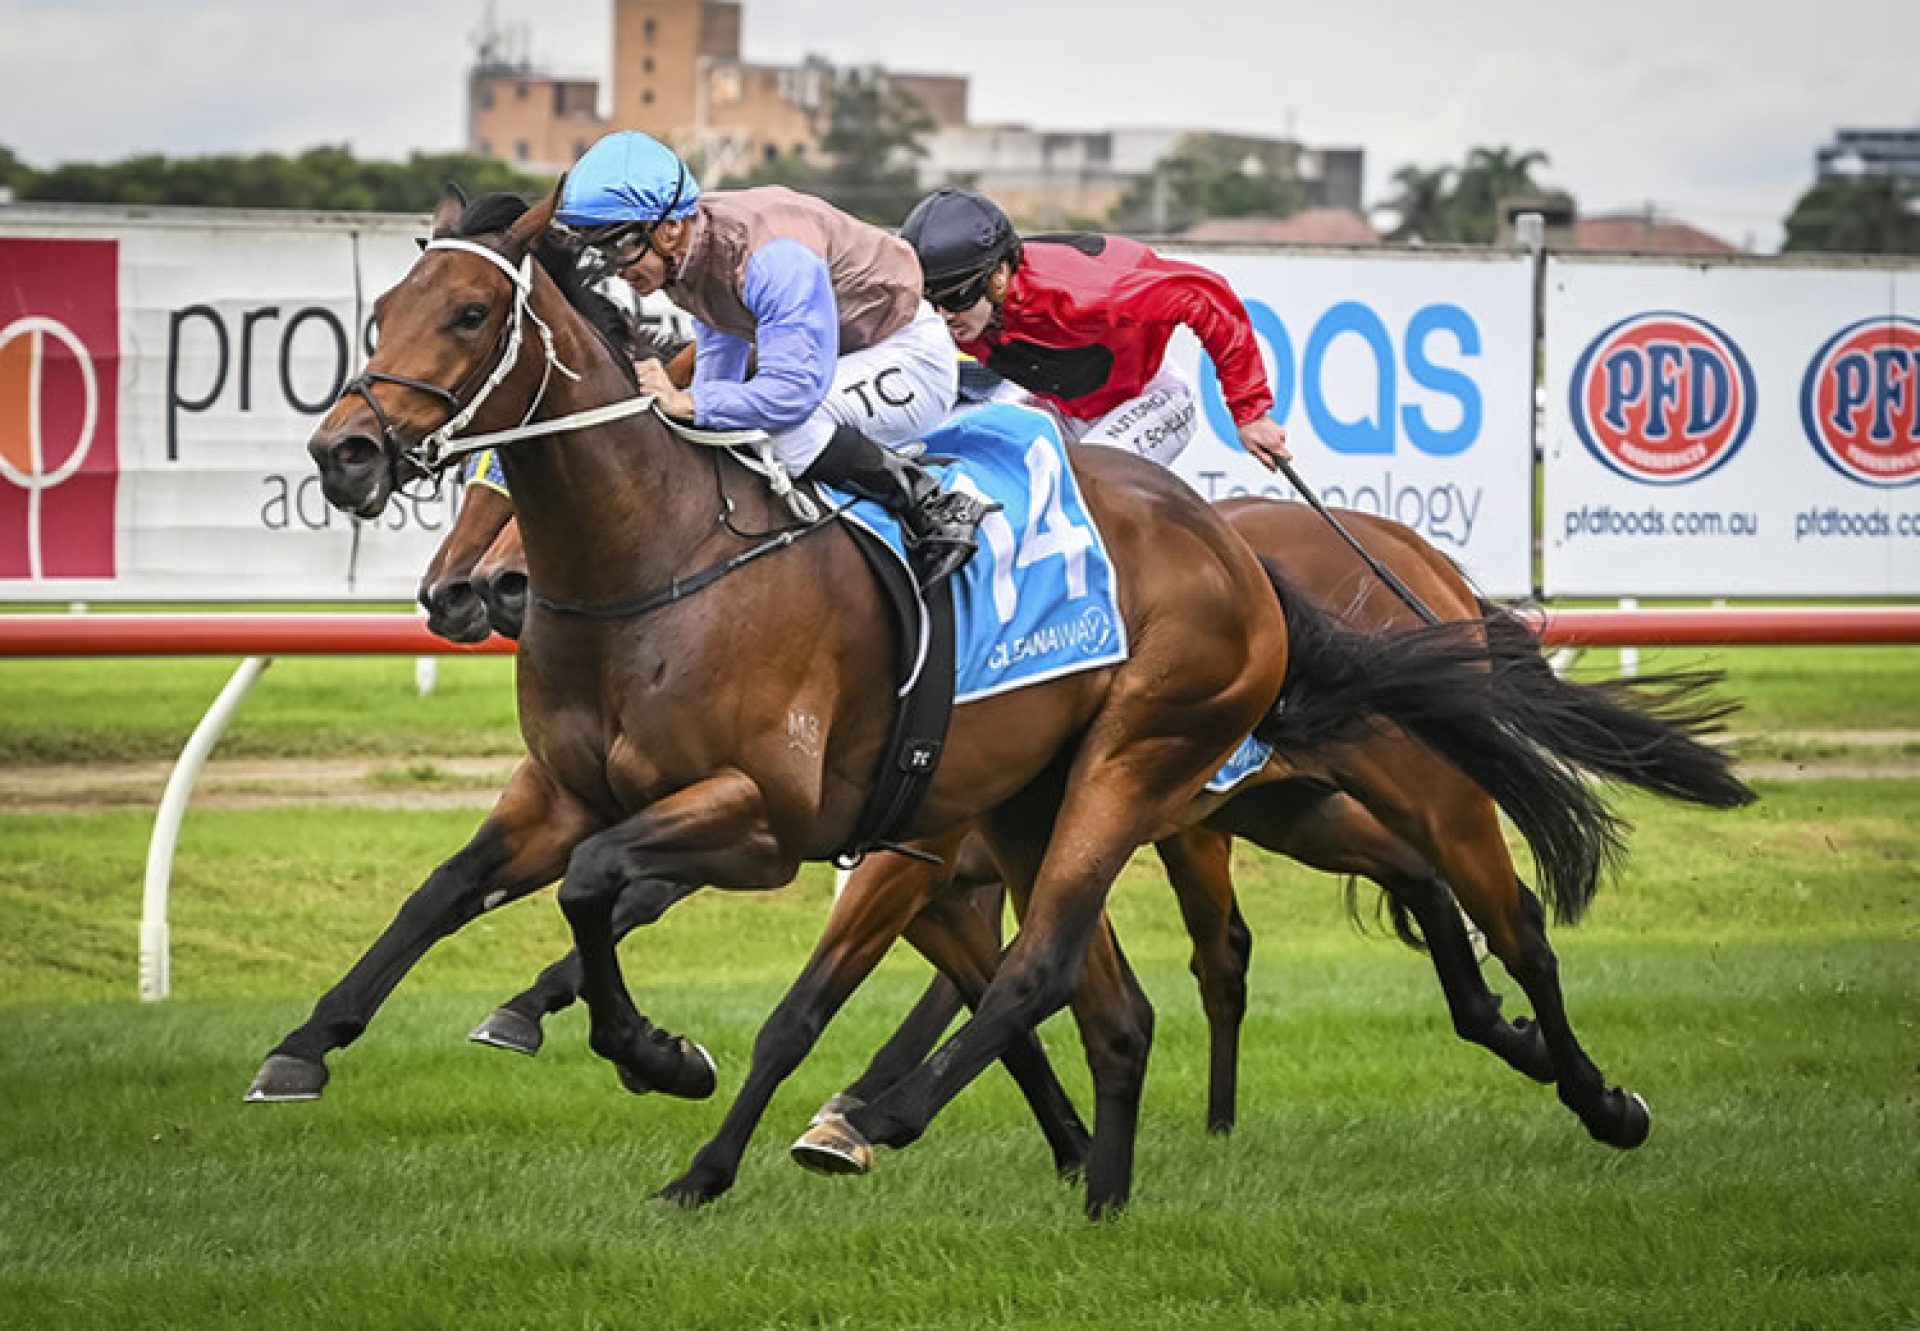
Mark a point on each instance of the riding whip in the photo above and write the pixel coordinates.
(1385, 574)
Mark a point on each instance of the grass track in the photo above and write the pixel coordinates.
(1754, 976)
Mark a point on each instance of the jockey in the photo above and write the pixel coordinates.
(1082, 323)
(809, 325)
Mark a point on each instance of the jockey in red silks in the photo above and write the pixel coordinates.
(1082, 323)
(809, 324)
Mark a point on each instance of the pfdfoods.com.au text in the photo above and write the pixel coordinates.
(1606, 520)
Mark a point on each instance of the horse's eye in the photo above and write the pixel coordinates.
(470, 317)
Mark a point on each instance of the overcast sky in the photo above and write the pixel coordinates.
(1709, 109)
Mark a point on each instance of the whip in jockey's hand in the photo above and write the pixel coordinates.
(1265, 440)
(675, 402)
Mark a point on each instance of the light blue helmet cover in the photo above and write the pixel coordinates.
(627, 177)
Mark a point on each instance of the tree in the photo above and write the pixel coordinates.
(1421, 204)
(1213, 175)
(1490, 175)
(871, 144)
(323, 179)
(1867, 215)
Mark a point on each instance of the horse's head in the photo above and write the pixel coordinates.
(452, 354)
(450, 590)
(500, 578)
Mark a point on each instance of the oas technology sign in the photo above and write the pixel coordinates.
(1860, 401)
(1662, 397)
(59, 408)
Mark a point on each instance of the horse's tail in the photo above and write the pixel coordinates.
(1642, 732)
(1480, 694)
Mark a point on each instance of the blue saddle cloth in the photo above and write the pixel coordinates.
(1037, 601)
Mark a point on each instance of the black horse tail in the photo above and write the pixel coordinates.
(1640, 732)
(1484, 699)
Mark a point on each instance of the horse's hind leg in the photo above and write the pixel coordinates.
(1332, 832)
(1199, 864)
(978, 888)
(1458, 827)
(516, 1024)
(521, 846)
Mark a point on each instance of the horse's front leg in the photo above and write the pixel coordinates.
(521, 846)
(715, 831)
(874, 910)
(516, 1024)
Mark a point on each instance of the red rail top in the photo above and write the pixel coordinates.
(403, 635)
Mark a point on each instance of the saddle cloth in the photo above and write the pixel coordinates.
(1037, 601)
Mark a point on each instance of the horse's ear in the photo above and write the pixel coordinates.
(446, 213)
(533, 224)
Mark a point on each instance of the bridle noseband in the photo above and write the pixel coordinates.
(438, 450)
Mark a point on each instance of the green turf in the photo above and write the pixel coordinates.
(1753, 975)
(90, 710)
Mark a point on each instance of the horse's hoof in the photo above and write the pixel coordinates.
(506, 1029)
(1636, 1121)
(284, 1078)
(839, 1106)
(697, 1077)
(832, 1146)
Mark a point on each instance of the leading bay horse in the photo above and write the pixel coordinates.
(726, 737)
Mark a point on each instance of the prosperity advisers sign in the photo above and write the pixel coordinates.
(158, 380)
(1405, 384)
(1731, 428)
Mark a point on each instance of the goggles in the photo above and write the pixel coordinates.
(962, 296)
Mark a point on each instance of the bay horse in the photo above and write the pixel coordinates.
(666, 755)
(1280, 810)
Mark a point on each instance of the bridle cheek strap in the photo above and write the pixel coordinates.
(433, 450)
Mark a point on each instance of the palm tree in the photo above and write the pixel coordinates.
(1421, 204)
(1490, 175)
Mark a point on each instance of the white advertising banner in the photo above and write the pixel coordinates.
(1731, 428)
(1405, 384)
(159, 377)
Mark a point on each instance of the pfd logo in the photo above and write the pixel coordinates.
(1860, 401)
(1662, 397)
(59, 407)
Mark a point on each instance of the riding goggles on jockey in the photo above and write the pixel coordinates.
(960, 298)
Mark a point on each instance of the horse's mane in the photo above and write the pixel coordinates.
(559, 254)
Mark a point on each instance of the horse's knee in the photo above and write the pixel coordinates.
(595, 872)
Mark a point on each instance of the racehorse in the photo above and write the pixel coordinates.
(1301, 817)
(660, 727)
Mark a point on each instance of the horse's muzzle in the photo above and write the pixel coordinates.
(354, 475)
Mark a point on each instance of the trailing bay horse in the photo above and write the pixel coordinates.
(660, 727)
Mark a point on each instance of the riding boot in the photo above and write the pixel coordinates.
(939, 524)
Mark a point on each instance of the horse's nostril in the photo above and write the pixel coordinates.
(356, 451)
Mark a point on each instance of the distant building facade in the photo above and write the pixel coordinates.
(1857, 153)
(677, 74)
(1050, 178)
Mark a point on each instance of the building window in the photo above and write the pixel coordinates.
(646, 29)
(522, 151)
(770, 153)
(520, 89)
(579, 147)
(799, 150)
(646, 98)
(486, 148)
(646, 66)
(486, 99)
